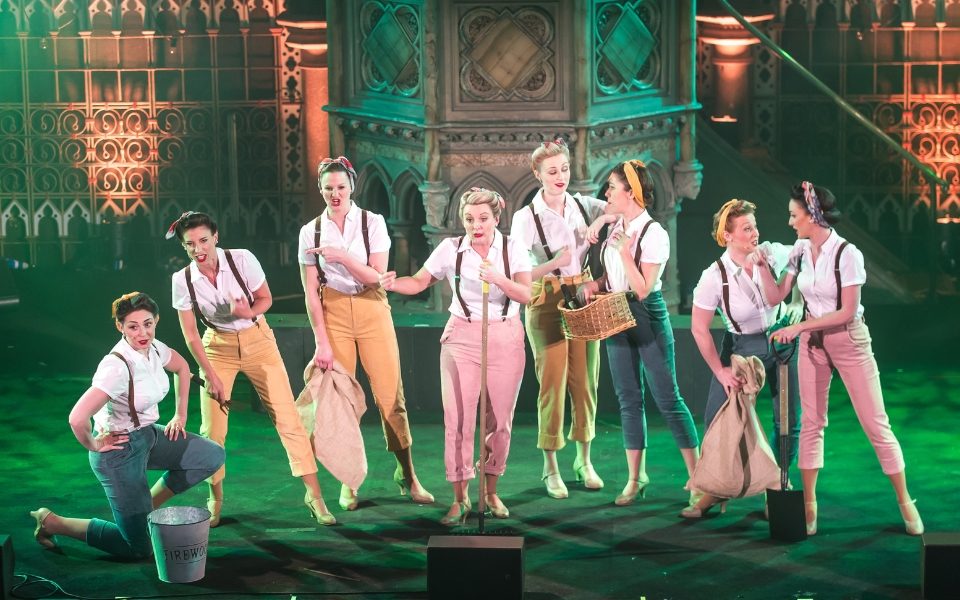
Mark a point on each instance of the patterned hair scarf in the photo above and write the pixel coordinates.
(172, 230)
(813, 204)
(634, 180)
(722, 222)
(326, 163)
(559, 141)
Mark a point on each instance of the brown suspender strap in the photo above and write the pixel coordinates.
(456, 278)
(836, 271)
(236, 274)
(130, 397)
(643, 232)
(543, 239)
(193, 300)
(506, 271)
(583, 211)
(836, 274)
(316, 242)
(726, 296)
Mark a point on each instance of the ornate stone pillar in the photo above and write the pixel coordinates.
(307, 31)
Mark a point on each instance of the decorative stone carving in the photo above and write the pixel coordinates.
(687, 178)
(507, 55)
(626, 51)
(390, 48)
(436, 199)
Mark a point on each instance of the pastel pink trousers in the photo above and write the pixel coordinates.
(460, 388)
(848, 349)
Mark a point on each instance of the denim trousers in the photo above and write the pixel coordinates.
(123, 475)
(646, 351)
(758, 345)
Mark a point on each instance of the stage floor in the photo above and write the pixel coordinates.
(581, 547)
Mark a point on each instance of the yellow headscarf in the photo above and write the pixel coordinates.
(634, 180)
(722, 221)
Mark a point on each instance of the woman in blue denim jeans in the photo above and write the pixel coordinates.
(636, 250)
(126, 441)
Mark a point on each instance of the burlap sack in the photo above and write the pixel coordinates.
(736, 460)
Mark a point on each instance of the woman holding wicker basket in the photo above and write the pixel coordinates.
(636, 250)
(553, 227)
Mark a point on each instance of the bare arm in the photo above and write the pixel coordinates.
(181, 370)
(773, 290)
(700, 328)
(89, 403)
(850, 300)
(368, 274)
(408, 286)
(309, 278)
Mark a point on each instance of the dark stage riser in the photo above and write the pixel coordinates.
(419, 338)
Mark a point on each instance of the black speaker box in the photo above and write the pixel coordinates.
(475, 567)
(940, 566)
(6, 574)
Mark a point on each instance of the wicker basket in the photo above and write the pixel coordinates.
(607, 315)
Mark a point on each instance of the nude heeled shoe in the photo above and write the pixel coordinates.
(43, 537)
(458, 513)
(584, 472)
(496, 507)
(911, 518)
(348, 498)
(811, 507)
(214, 506)
(555, 486)
(318, 510)
(698, 512)
(422, 497)
(626, 499)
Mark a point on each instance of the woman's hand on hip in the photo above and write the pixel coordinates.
(107, 441)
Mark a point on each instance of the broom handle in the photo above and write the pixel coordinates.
(482, 504)
(784, 377)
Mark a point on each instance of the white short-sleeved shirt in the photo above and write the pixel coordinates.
(442, 264)
(749, 305)
(656, 249)
(818, 283)
(567, 229)
(350, 239)
(150, 385)
(214, 300)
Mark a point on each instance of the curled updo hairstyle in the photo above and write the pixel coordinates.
(825, 199)
(739, 208)
(548, 150)
(191, 220)
(476, 196)
(642, 173)
(132, 302)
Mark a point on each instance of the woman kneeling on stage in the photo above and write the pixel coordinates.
(126, 441)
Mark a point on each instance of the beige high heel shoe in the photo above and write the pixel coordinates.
(698, 512)
(811, 507)
(584, 472)
(555, 486)
(626, 499)
(348, 498)
(424, 497)
(214, 506)
(911, 518)
(43, 537)
(458, 513)
(496, 506)
(318, 510)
